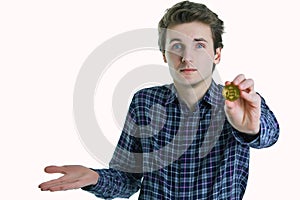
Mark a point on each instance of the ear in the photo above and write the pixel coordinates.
(217, 55)
(164, 57)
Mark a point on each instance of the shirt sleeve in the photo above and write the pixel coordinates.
(123, 178)
(114, 184)
(269, 130)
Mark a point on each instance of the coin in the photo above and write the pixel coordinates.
(231, 92)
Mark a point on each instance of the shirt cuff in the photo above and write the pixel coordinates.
(247, 139)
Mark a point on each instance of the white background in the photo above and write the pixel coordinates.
(43, 45)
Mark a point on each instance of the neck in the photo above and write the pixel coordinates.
(191, 94)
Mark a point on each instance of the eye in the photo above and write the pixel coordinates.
(177, 47)
(200, 46)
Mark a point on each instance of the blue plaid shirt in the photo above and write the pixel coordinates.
(170, 152)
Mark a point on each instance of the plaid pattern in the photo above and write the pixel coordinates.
(168, 152)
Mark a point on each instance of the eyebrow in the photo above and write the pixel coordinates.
(200, 40)
(195, 40)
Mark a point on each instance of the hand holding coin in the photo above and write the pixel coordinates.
(242, 105)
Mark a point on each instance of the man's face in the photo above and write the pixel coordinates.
(189, 53)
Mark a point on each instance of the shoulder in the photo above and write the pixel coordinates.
(156, 94)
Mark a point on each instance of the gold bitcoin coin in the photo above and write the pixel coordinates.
(231, 92)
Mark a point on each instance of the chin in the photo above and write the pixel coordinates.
(192, 82)
(187, 82)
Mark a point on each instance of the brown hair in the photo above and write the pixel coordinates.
(185, 12)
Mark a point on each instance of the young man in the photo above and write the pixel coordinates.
(200, 148)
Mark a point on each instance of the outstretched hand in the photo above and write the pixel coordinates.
(74, 177)
(244, 113)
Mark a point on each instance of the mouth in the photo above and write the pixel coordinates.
(188, 70)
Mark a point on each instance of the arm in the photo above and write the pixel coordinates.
(104, 183)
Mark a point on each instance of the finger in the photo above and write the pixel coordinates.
(227, 83)
(247, 85)
(250, 97)
(55, 169)
(48, 184)
(66, 186)
(237, 80)
(230, 104)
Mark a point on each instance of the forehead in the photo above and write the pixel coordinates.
(189, 31)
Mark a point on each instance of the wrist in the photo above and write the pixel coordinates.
(94, 177)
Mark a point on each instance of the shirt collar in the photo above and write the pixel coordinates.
(213, 95)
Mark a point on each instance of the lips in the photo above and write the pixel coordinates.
(188, 70)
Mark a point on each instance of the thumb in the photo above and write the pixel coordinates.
(54, 169)
(229, 104)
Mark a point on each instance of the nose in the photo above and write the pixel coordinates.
(187, 57)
